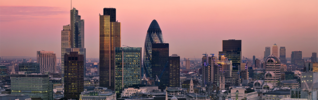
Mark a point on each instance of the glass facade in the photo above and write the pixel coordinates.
(174, 71)
(232, 51)
(77, 30)
(33, 85)
(154, 35)
(65, 43)
(3, 72)
(29, 67)
(160, 64)
(73, 75)
(127, 67)
(110, 36)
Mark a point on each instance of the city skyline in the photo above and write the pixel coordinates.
(290, 24)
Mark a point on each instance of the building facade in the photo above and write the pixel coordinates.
(314, 57)
(47, 61)
(273, 70)
(29, 67)
(160, 64)
(73, 75)
(109, 39)
(174, 71)
(275, 50)
(127, 67)
(297, 58)
(154, 35)
(65, 43)
(232, 49)
(282, 55)
(3, 72)
(187, 63)
(267, 52)
(33, 85)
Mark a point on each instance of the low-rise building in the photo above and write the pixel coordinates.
(276, 94)
(99, 93)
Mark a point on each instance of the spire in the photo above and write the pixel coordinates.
(191, 86)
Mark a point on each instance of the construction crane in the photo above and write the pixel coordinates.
(309, 90)
(158, 78)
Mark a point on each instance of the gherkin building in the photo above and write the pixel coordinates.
(154, 35)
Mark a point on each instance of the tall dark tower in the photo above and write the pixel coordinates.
(154, 35)
(160, 64)
(282, 55)
(109, 39)
(174, 71)
(232, 50)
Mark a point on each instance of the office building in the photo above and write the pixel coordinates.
(47, 61)
(65, 43)
(273, 70)
(160, 64)
(275, 50)
(257, 63)
(29, 67)
(77, 30)
(267, 52)
(127, 67)
(154, 35)
(232, 50)
(282, 55)
(81, 51)
(253, 60)
(36, 85)
(187, 63)
(314, 57)
(73, 75)
(14, 97)
(3, 72)
(296, 58)
(174, 71)
(109, 39)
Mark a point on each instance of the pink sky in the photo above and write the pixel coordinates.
(191, 27)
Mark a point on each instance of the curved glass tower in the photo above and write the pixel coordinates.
(154, 35)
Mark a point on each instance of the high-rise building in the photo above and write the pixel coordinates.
(109, 38)
(297, 58)
(47, 61)
(65, 43)
(282, 55)
(127, 67)
(154, 35)
(267, 52)
(37, 86)
(81, 51)
(174, 71)
(77, 30)
(314, 57)
(232, 50)
(160, 64)
(73, 75)
(29, 67)
(187, 63)
(253, 60)
(273, 70)
(275, 50)
(3, 72)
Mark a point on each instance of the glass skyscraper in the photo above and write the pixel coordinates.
(160, 64)
(232, 50)
(127, 67)
(282, 55)
(109, 39)
(174, 71)
(154, 35)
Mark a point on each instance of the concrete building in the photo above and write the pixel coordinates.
(99, 93)
(273, 70)
(127, 67)
(35, 85)
(275, 50)
(110, 38)
(47, 61)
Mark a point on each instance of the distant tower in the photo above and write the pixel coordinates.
(267, 52)
(47, 61)
(174, 71)
(191, 86)
(187, 63)
(282, 55)
(275, 50)
(314, 57)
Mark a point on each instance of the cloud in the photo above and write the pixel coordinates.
(12, 13)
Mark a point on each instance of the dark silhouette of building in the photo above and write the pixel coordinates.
(109, 39)
(154, 35)
(29, 67)
(296, 58)
(73, 75)
(314, 57)
(232, 50)
(282, 55)
(174, 71)
(267, 52)
(160, 64)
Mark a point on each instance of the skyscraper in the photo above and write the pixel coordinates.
(232, 50)
(74, 75)
(275, 50)
(282, 55)
(127, 67)
(109, 38)
(253, 60)
(160, 64)
(297, 58)
(77, 30)
(65, 43)
(47, 61)
(174, 71)
(154, 35)
(267, 52)
(314, 57)
(187, 63)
